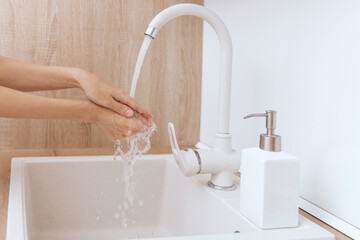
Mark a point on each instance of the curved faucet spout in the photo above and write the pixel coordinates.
(221, 161)
(225, 57)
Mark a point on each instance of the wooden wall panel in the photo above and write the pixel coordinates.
(104, 37)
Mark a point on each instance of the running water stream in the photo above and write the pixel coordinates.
(139, 62)
(130, 149)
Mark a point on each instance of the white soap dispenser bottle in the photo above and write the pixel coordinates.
(270, 179)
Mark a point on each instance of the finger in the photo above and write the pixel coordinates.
(145, 121)
(125, 99)
(126, 127)
(121, 109)
(135, 125)
(128, 133)
(149, 123)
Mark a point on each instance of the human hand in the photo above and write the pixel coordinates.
(116, 126)
(107, 95)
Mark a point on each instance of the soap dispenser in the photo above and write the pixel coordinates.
(270, 178)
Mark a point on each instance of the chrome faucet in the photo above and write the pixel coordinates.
(221, 161)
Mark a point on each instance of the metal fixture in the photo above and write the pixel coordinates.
(269, 141)
(151, 31)
(232, 188)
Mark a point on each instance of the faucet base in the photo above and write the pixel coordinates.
(221, 188)
(223, 181)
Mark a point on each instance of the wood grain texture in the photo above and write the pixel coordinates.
(104, 37)
(338, 235)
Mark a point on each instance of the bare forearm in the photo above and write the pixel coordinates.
(16, 104)
(24, 76)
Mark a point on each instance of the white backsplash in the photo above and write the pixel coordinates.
(301, 58)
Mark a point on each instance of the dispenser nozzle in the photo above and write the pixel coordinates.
(269, 141)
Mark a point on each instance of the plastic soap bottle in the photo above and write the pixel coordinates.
(270, 179)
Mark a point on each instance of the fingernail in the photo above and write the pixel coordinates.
(129, 113)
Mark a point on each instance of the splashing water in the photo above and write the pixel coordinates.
(129, 150)
(139, 63)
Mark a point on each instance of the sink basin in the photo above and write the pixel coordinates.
(79, 198)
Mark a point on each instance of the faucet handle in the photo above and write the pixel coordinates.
(187, 160)
(172, 137)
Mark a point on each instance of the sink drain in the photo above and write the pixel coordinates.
(236, 231)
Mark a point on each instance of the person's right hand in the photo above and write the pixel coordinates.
(115, 126)
(107, 95)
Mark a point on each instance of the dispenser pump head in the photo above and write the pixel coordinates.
(269, 141)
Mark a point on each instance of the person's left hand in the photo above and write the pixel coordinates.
(107, 95)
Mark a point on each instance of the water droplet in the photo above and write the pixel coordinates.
(141, 203)
(116, 215)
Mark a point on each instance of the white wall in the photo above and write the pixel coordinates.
(301, 58)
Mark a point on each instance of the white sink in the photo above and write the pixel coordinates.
(67, 198)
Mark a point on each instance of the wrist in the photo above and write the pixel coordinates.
(88, 111)
(91, 112)
(66, 76)
(79, 75)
